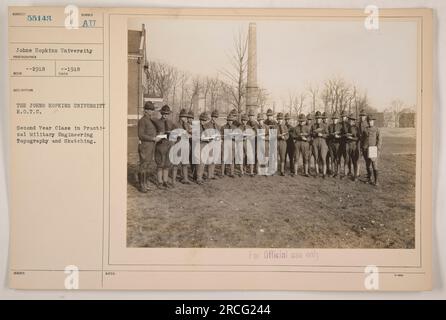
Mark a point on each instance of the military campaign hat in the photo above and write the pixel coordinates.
(244, 117)
(269, 112)
(318, 115)
(309, 116)
(190, 114)
(335, 115)
(149, 106)
(251, 113)
(362, 113)
(344, 113)
(260, 116)
(371, 117)
(351, 116)
(165, 109)
(230, 117)
(302, 117)
(287, 116)
(204, 116)
(183, 113)
(215, 114)
(324, 115)
(280, 116)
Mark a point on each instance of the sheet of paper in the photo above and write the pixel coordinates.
(373, 152)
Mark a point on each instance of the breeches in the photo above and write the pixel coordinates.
(302, 148)
(335, 153)
(145, 151)
(352, 151)
(281, 150)
(320, 149)
(162, 154)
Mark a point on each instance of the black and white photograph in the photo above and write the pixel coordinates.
(264, 133)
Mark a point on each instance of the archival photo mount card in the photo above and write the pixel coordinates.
(112, 186)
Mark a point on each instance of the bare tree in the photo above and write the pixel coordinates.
(339, 96)
(262, 98)
(196, 89)
(175, 83)
(300, 103)
(397, 108)
(296, 102)
(236, 74)
(160, 78)
(183, 79)
(313, 91)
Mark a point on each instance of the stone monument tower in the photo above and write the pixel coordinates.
(251, 85)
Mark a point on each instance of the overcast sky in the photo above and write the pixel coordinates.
(293, 54)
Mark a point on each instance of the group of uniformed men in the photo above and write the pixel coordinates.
(333, 145)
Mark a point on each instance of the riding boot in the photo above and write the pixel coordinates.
(166, 178)
(306, 170)
(174, 174)
(185, 171)
(335, 169)
(159, 177)
(282, 168)
(369, 175)
(142, 185)
(375, 174)
(344, 172)
(145, 179)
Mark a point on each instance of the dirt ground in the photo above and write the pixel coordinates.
(282, 212)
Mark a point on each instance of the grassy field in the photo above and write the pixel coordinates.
(282, 212)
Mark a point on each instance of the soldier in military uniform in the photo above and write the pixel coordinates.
(282, 137)
(270, 122)
(164, 126)
(328, 159)
(343, 145)
(235, 114)
(146, 146)
(183, 124)
(319, 132)
(254, 126)
(362, 120)
(252, 120)
(370, 137)
(264, 138)
(335, 133)
(310, 141)
(300, 135)
(290, 149)
(352, 148)
(204, 119)
(362, 125)
(213, 125)
(193, 167)
(226, 156)
(244, 127)
(324, 118)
